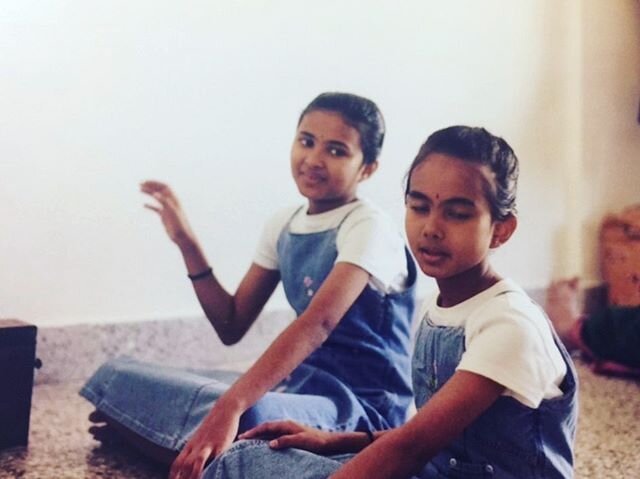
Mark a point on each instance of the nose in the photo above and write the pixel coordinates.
(314, 158)
(432, 228)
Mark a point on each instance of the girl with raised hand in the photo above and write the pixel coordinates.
(495, 388)
(342, 365)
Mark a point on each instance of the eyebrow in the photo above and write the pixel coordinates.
(456, 200)
(330, 142)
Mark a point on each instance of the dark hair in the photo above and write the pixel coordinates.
(359, 113)
(477, 145)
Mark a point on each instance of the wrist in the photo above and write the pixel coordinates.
(205, 273)
(351, 442)
(230, 405)
(186, 242)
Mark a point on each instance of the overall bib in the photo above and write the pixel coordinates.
(509, 439)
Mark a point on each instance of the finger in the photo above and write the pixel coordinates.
(160, 198)
(160, 190)
(153, 208)
(299, 440)
(198, 464)
(153, 185)
(255, 432)
(176, 466)
(274, 428)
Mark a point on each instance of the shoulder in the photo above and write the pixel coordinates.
(281, 217)
(367, 220)
(509, 306)
(369, 239)
(266, 254)
(510, 340)
(512, 320)
(366, 211)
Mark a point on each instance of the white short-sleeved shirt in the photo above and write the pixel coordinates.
(507, 339)
(367, 238)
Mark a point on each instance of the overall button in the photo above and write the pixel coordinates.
(453, 462)
(489, 468)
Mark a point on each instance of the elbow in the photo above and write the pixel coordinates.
(320, 331)
(229, 339)
(228, 334)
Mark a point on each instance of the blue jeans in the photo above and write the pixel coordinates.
(254, 459)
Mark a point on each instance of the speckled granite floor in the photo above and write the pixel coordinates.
(60, 446)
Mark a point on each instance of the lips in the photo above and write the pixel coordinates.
(311, 178)
(432, 255)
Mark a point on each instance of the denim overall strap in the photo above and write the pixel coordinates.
(508, 440)
(368, 351)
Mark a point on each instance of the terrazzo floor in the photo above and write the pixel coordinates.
(60, 446)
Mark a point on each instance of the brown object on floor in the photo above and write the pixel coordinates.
(17, 361)
(620, 256)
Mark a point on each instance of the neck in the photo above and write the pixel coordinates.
(456, 289)
(317, 207)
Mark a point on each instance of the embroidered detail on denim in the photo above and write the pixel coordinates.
(307, 282)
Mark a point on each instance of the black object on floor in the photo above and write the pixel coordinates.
(17, 362)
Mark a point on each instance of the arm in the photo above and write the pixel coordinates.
(404, 451)
(332, 300)
(230, 315)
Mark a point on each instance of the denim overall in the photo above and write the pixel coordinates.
(368, 351)
(358, 379)
(508, 440)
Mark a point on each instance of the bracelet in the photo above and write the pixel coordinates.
(370, 435)
(201, 275)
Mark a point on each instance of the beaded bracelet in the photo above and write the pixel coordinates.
(201, 275)
(370, 435)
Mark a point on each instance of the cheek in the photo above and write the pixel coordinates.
(412, 229)
(482, 235)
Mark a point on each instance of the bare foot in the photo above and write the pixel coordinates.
(563, 307)
(110, 431)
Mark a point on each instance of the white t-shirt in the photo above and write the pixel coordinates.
(507, 339)
(368, 238)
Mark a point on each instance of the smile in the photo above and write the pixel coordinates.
(311, 178)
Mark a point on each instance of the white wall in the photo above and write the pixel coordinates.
(611, 138)
(97, 96)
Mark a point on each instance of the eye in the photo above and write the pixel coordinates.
(418, 207)
(458, 215)
(306, 142)
(337, 152)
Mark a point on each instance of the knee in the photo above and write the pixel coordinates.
(239, 461)
(254, 417)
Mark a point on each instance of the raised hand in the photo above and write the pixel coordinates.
(285, 434)
(213, 437)
(170, 212)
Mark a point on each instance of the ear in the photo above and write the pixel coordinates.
(502, 231)
(368, 170)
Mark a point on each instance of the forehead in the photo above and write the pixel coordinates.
(329, 126)
(444, 176)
